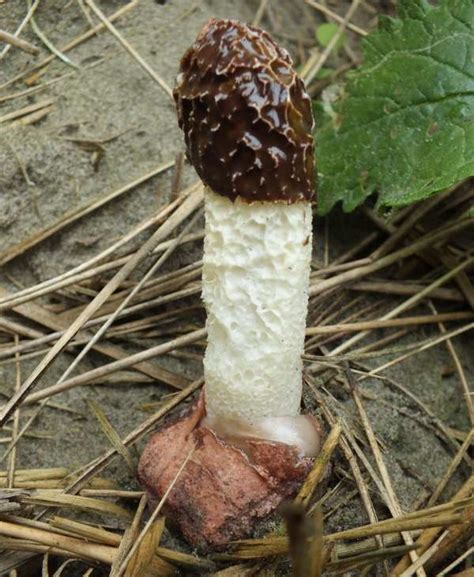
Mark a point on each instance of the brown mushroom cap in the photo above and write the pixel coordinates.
(246, 116)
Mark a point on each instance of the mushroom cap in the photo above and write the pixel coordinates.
(246, 115)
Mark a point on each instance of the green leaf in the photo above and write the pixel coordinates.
(403, 127)
(325, 33)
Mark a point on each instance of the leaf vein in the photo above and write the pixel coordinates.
(402, 109)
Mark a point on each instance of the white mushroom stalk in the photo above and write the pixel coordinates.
(255, 288)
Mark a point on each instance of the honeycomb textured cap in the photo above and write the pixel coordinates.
(246, 116)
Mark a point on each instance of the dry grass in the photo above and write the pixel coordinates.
(420, 540)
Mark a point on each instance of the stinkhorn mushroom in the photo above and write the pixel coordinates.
(247, 123)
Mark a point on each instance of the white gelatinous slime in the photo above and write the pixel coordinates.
(299, 431)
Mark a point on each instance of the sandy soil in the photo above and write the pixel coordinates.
(44, 174)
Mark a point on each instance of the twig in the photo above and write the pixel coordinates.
(98, 464)
(407, 304)
(182, 212)
(327, 12)
(77, 213)
(462, 278)
(314, 65)
(86, 13)
(55, 499)
(86, 270)
(13, 300)
(39, 315)
(18, 42)
(429, 535)
(459, 369)
(126, 300)
(129, 48)
(38, 339)
(392, 503)
(425, 347)
(45, 40)
(93, 374)
(114, 353)
(177, 175)
(259, 548)
(28, 119)
(438, 423)
(454, 539)
(102, 553)
(353, 464)
(23, 169)
(380, 324)
(452, 467)
(425, 241)
(399, 233)
(418, 563)
(78, 40)
(401, 288)
(25, 111)
(129, 536)
(464, 555)
(16, 424)
(260, 12)
(24, 22)
(319, 467)
(112, 435)
(120, 570)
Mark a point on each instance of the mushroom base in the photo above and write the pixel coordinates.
(222, 492)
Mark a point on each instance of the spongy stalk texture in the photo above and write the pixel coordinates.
(255, 287)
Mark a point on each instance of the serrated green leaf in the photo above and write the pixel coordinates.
(404, 125)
